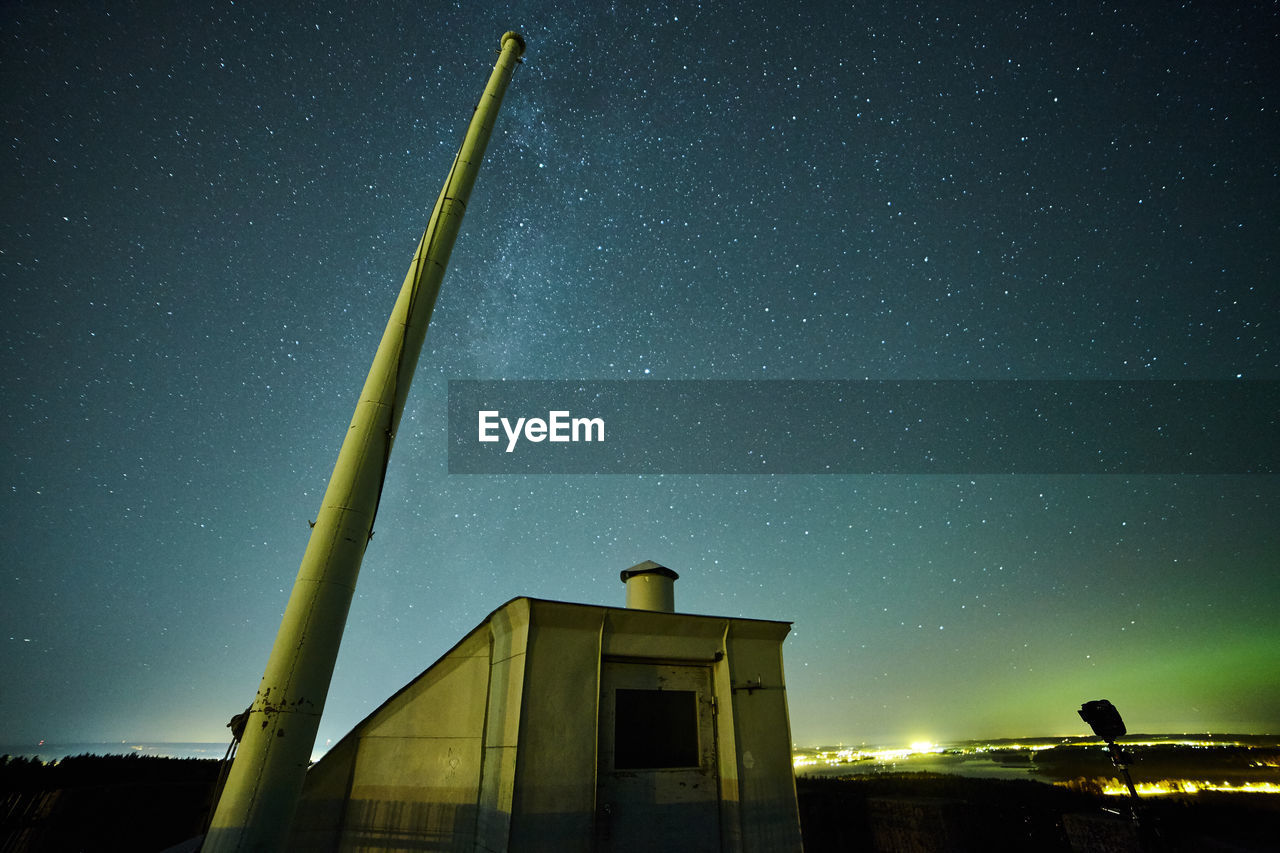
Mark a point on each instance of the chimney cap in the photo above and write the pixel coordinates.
(648, 567)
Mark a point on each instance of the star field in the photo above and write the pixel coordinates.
(207, 216)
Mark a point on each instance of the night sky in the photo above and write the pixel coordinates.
(207, 213)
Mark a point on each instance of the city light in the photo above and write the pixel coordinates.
(978, 758)
(1114, 787)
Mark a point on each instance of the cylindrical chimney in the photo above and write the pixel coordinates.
(650, 587)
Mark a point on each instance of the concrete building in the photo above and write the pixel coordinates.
(573, 727)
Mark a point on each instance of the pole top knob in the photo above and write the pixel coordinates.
(512, 35)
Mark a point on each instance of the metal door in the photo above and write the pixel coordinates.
(657, 785)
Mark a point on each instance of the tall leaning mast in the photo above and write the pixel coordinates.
(257, 805)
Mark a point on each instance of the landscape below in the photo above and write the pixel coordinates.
(1038, 793)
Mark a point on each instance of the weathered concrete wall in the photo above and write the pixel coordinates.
(554, 802)
(770, 818)
(507, 679)
(408, 777)
(495, 747)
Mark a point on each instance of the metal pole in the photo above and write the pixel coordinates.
(1119, 759)
(256, 808)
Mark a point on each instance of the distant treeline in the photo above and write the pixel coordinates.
(93, 802)
(97, 802)
(1153, 762)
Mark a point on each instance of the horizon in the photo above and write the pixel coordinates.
(214, 750)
